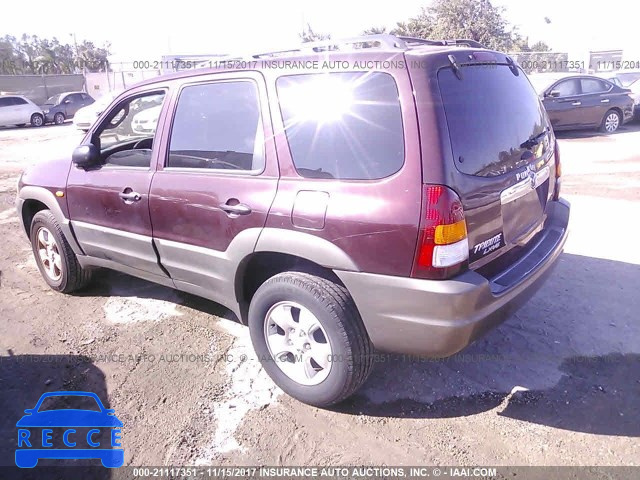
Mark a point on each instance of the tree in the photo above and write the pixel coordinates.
(34, 55)
(475, 20)
(540, 47)
(374, 31)
(308, 35)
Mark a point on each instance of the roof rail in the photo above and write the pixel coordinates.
(414, 41)
(382, 40)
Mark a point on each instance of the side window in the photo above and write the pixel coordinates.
(125, 138)
(343, 125)
(5, 101)
(568, 87)
(19, 101)
(218, 126)
(590, 85)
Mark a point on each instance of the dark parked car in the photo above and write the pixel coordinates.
(575, 101)
(64, 106)
(407, 203)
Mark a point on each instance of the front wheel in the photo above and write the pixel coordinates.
(37, 120)
(55, 259)
(309, 338)
(611, 121)
(58, 118)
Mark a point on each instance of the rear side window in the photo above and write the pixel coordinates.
(491, 114)
(590, 85)
(343, 125)
(218, 126)
(5, 101)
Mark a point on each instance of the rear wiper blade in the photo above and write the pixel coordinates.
(535, 140)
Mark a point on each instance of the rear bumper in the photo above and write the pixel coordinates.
(439, 318)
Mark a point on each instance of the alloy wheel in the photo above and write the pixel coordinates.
(612, 122)
(298, 343)
(49, 254)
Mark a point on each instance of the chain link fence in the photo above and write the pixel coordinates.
(38, 88)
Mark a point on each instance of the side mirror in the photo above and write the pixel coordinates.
(86, 155)
(553, 93)
(67, 101)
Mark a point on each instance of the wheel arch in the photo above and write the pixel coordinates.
(31, 200)
(280, 250)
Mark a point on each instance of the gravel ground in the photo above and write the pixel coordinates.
(557, 384)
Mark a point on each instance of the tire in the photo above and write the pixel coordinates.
(58, 118)
(611, 121)
(37, 120)
(56, 261)
(348, 361)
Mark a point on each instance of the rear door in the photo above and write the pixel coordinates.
(23, 110)
(502, 155)
(595, 100)
(11, 111)
(213, 189)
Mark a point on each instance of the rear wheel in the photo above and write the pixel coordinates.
(611, 121)
(37, 120)
(309, 338)
(58, 118)
(55, 259)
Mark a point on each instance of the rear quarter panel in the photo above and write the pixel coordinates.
(375, 222)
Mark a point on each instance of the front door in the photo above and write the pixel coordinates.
(210, 196)
(564, 110)
(109, 204)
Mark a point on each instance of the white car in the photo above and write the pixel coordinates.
(86, 116)
(146, 121)
(18, 110)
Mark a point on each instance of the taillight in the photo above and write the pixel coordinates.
(443, 249)
(556, 191)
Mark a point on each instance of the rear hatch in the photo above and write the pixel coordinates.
(502, 148)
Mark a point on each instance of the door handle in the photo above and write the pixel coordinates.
(238, 209)
(606, 100)
(130, 197)
(576, 104)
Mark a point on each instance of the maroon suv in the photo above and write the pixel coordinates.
(375, 193)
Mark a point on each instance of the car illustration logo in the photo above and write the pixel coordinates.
(65, 433)
(531, 174)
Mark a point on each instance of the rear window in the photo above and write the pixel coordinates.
(491, 113)
(343, 125)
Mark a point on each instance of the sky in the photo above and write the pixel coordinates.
(145, 30)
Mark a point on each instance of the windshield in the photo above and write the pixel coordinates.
(627, 78)
(105, 100)
(64, 402)
(495, 119)
(540, 84)
(53, 100)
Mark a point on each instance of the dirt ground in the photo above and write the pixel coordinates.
(557, 384)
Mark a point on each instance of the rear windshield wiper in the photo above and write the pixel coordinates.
(535, 140)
